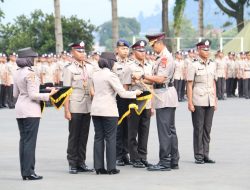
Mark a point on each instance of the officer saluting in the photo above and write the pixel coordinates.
(165, 104)
(202, 101)
(77, 108)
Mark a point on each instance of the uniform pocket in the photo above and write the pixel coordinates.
(76, 97)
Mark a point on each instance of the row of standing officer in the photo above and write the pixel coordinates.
(7, 70)
(233, 72)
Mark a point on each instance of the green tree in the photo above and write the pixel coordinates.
(1, 12)
(165, 22)
(178, 15)
(234, 9)
(38, 31)
(128, 27)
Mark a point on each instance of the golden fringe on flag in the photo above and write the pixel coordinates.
(139, 105)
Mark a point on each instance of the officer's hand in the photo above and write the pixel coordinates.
(67, 115)
(136, 76)
(138, 92)
(191, 107)
(53, 91)
(216, 105)
(152, 111)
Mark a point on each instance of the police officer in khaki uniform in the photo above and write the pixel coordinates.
(231, 81)
(179, 82)
(4, 81)
(138, 125)
(202, 101)
(221, 70)
(246, 78)
(165, 104)
(122, 51)
(28, 111)
(77, 108)
(240, 73)
(105, 115)
(11, 68)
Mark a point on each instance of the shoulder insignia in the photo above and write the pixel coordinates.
(31, 77)
(30, 69)
(164, 61)
(195, 59)
(68, 65)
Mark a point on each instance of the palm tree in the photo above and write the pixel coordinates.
(201, 25)
(165, 21)
(58, 27)
(115, 34)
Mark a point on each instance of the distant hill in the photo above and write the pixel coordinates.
(212, 16)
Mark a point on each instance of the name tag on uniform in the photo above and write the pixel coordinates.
(77, 77)
(119, 69)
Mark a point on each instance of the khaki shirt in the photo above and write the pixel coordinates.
(164, 66)
(221, 68)
(107, 85)
(10, 70)
(119, 68)
(26, 89)
(203, 76)
(79, 78)
(231, 68)
(247, 69)
(187, 62)
(2, 66)
(49, 71)
(179, 70)
(240, 65)
(137, 68)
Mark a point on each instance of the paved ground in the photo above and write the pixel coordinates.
(230, 147)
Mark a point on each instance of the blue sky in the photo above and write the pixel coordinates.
(98, 11)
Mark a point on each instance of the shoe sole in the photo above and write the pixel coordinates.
(153, 170)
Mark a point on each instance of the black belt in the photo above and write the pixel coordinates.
(159, 86)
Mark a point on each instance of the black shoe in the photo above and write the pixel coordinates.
(126, 161)
(174, 166)
(138, 164)
(146, 164)
(101, 171)
(120, 162)
(32, 177)
(84, 168)
(209, 161)
(113, 171)
(73, 170)
(158, 167)
(199, 161)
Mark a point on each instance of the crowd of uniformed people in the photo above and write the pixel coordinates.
(104, 84)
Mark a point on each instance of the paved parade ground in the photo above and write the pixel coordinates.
(230, 147)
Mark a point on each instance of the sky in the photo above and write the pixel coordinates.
(97, 11)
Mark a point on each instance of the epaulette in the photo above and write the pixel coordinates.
(131, 59)
(68, 65)
(30, 69)
(195, 59)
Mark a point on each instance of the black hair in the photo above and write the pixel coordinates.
(104, 63)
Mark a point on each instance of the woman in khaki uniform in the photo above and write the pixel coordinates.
(28, 111)
(105, 115)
